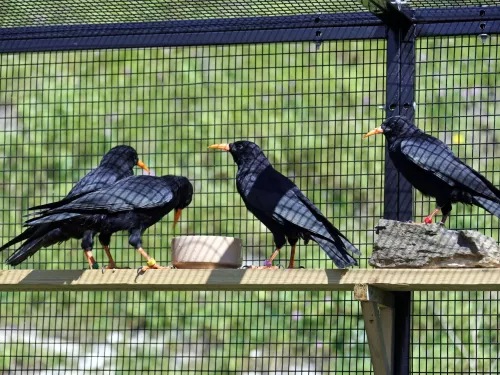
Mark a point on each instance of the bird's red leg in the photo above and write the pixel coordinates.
(428, 219)
(292, 257)
(269, 263)
(112, 264)
(151, 262)
(90, 258)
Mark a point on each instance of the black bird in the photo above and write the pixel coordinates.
(132, 204)
(115, 165)
(431, 167)
(279, 204)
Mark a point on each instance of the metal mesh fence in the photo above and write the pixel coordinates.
(182, 333)
(457, 91)
(72, 12)
(307, 106)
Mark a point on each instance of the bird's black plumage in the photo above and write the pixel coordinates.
(431, 167)
(115, 165)
(132, 204)
(279, 204)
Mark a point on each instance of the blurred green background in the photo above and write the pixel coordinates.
(308, 108)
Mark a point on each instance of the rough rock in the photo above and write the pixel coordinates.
(408, 245)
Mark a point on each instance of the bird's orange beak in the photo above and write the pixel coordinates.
(373, 132)
(220, 146)
(177, 216)
(141, 164)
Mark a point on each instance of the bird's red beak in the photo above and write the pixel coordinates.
(141, 164)
(373, 132)
(220, 146)
(177, 216)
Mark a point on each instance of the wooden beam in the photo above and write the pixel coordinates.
(368, 293)
(282, 279)
(387, 317)
(379, 353)
(378, 312)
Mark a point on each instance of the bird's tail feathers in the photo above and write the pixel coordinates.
(29, 248)
(349, 246)
(333, 232)
(23, 236)
(336, 251)
(33, 244)
(488, 204)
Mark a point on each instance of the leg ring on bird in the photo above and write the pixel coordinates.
(151, 262)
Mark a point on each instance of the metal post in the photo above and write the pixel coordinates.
(400, 99)
(402, 325)
(398, 191)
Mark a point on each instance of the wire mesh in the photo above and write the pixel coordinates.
(182, 333)
(307, 106)
(307, 109)
(457, 90)
(449, 3)
(72, 12)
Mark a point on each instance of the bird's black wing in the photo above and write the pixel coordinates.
(279, 199)
(98, 178)
(320, 217)
(262, 211)
(140, 192)
(432, 155)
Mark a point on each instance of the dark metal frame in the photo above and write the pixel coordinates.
(400, 26)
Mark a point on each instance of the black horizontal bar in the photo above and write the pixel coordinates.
(476, 13)
(192, 26)
(188, 39)
(458, 28)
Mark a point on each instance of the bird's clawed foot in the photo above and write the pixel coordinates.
(425, 222)
(428, 219)
(151, 265)
(268, 265)
(113, 266)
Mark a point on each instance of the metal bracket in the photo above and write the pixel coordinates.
(391, 12)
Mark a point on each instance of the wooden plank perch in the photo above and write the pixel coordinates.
(282, 279)
(372, 287)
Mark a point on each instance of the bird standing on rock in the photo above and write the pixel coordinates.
(132, 204)
(431, 167)
(279, 204)
(116, 164)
